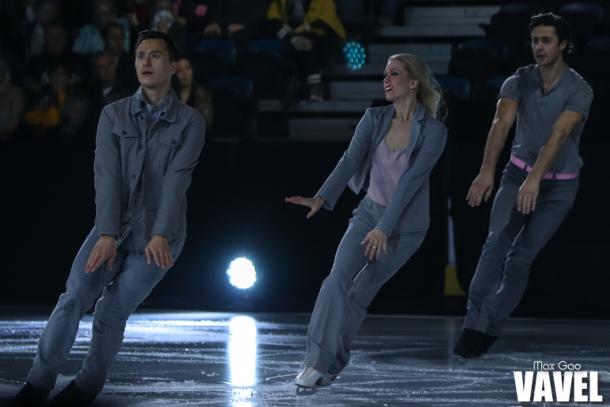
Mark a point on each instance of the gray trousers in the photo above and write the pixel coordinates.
(350, 287)
(122, 290)
(513, 242)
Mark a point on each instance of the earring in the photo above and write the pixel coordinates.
(412, 92)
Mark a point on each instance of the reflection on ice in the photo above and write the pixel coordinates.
(241, 351)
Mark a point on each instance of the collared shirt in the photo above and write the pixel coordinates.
(154, 111)
(538, 112)
(143, 163)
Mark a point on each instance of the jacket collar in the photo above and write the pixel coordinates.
(169, 105)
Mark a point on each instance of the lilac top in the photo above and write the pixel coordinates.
(386, 169)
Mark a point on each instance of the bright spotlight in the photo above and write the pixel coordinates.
(241, 273)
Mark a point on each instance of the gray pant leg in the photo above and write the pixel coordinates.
(513, 242)
(58, 336)
(552, 207)
(504, 225)
(324, 333)
(118, 301)
(350, 287)
(366, 286)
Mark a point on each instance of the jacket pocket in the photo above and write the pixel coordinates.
(119, 130)
(170, 139)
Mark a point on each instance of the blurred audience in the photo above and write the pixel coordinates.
(47, 107)
(12, 34)
(382, 12)
(11, 103)
(78, 118)
(165, 20)
(64, 69)
(313, 32)
(38, 14)
(114, 38)
(89, 38)
(56, 51)
(192, 93)
(106, 87)
(194, 14)
(234, 19)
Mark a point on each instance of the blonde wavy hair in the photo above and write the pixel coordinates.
(428, 91)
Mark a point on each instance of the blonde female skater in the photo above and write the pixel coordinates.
(391, 155)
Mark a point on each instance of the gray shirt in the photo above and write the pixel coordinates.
(144, 159)
(538, 112)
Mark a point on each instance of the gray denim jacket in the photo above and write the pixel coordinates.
(409, 207)
(131, 154)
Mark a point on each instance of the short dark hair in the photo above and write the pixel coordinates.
(152, 34)
(95, 56)
(562, 28)
(99, 54)
(110, 26)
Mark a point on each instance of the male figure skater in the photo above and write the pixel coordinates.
(147, 146)
(550, 102)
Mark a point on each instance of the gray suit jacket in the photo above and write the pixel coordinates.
(409, 207)
(161, 157)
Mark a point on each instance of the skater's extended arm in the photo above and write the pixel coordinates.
(504, 118)
(177, 178)
(347, 166)
(349, 163)
(107, 179)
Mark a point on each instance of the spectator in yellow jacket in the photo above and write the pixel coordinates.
(312, 32)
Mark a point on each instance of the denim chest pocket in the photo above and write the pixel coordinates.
(123, 132)
(169, 139)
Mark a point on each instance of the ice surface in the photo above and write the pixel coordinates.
(214, 359)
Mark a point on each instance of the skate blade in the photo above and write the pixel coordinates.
(305, 391)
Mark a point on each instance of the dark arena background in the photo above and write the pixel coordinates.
(199, 340)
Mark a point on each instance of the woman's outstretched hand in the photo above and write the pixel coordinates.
(314, 204)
